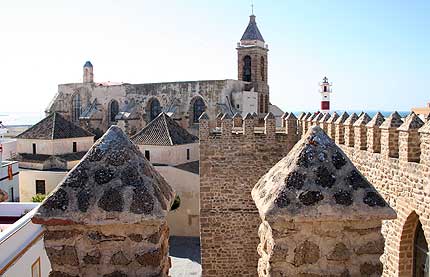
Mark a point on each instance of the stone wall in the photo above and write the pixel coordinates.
(231, 162)
(108, 250)
(403, 181)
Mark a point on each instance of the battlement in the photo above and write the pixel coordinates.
(227, 128)
(393, 153)
(393, 137)
(407, 139)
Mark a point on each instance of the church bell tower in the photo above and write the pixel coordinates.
(252, 63)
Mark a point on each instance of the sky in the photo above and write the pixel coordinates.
(376, 53)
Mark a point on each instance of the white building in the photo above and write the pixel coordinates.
(175, 154)
(47, 151)
(22, 253)
(9, 179)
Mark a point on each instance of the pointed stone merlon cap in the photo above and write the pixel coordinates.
(317, 117)
(284, 115)
(306, 117)
(351, 119)
(342, 118)
(376, 121)
(237, 116)
(248, 116)
(412, 122)
(393, 121)
(112, 184)
(333, 118)
(269, 116)
(301, 115)
(425, 129)
(325, 117)
(311, 118)
(317, 182)
(225, 116)
(362, 120)
(291, 117)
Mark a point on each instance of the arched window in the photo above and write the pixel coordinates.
(113, 110)
(198, 108)
(262, 69)
(155, 109)
(246, 69)
(76, 107)
(266, 103)
(261, 103)
(421, 265)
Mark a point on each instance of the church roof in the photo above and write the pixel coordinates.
(112, 184)
(54, 126)
(163, 130)
(252, 32)
(317, 181)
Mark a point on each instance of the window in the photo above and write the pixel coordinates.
(11, 195)
(147, 155)
(246, 69)
(40, 187)
(266, 103)
(34, 148)
(420, 252)
(198, 108)
(262, 65)
(188, 154)
(35, 268)
(76, 107)
(113, 110)
(261, 103)
(237, 106)
(325, 88)
(75, 146)
(155, 109)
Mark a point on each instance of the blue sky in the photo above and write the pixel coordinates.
(376, 53)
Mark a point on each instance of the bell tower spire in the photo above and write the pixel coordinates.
(252, 62)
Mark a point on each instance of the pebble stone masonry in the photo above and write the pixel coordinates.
(108, 216)
(320, 216)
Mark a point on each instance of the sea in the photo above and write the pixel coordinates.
(17, 119)
(30, 118)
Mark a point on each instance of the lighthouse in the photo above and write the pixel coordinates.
(325, 90)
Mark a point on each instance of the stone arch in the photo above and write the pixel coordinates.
(407, 245)
(113, 110)
(153, 108)
(197, 107)
(76, 107)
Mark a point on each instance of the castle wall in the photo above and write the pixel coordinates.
(232, 161)
(230, 165)
(403, 182)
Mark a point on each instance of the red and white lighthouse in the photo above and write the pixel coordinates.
(325, 90)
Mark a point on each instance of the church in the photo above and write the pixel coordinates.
(97, 105)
